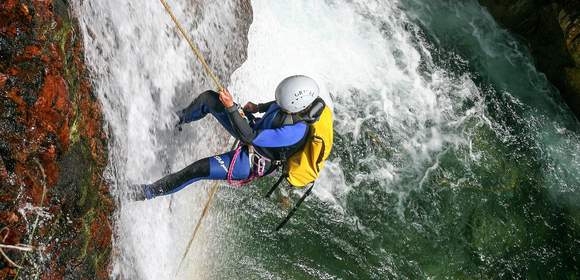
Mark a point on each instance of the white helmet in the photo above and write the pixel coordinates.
(296, 93)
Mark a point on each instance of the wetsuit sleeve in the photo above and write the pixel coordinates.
(284, 136)
(263, 107)
(245, 132)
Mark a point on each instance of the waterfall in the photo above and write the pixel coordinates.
(143, 72)
(438, 167)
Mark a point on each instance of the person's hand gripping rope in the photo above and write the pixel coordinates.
(226, 98)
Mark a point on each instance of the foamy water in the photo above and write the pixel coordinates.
(398, 114)
(365, 57)
(144, 72)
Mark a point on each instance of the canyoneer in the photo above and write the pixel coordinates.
(294, 133)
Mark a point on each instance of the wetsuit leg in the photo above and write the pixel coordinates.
(207, 103)
(211, 168)
(171, 183)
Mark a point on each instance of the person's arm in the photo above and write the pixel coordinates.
(241, 125)
(284, 136)
(245, 132)
(287, 135)
(263, 107)
(251, 107)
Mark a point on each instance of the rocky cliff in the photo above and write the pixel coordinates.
(552, 30)
(52, 147)
(55, 205)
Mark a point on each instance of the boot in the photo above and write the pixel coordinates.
(140, 192)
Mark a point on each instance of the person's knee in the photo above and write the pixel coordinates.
(209, 94)
(210, 99)
(198, 169)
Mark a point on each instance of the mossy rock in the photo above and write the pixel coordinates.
(74, 187)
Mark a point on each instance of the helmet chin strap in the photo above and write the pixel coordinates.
(309, 115)
(288, 119)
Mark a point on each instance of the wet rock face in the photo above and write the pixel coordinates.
(552, 29)
(52, 148)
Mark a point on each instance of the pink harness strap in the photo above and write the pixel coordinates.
(256, 169)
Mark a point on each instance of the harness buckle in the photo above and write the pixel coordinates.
(258, 162)
(251, 155)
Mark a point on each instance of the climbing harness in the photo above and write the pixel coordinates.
(257, 169)
(258, 166)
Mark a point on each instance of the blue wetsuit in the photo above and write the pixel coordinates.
(268, 134)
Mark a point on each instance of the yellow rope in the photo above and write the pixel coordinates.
(195, 50)
(211, 194)
(219, 86)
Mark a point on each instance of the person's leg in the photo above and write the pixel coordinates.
(174, 182)
(206, 103)
(212, 168)
(219, 165)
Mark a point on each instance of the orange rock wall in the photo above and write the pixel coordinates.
(52, 147)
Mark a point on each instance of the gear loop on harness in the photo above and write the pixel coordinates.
(258, 164)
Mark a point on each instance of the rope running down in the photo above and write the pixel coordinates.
(195, 50)
(219, 86)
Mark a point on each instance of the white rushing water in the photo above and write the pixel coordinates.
(143, 72)
(363, 53)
